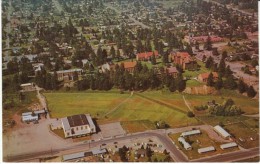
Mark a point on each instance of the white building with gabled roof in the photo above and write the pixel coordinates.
(222, 132)
(78, 125)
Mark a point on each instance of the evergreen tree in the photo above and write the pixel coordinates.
(153, 59)
(230, 83)
(208, 44)
(219, 83)
(222, 67)
(210, 81)
(113, 52)
(241, 86)
(251, 92)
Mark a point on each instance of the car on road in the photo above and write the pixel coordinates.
(115, 142)
(104, 144)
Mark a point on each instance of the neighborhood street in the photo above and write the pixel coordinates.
(63, 146)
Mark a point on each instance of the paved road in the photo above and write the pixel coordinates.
(174, 152)
(161, 134)
(233, 156)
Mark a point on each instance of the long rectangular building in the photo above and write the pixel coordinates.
(206, 149)
(222, 132)
(228, 145)
(189, 133)
(185, 144)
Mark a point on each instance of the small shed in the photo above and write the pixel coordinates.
(28, 118)
(28, 87)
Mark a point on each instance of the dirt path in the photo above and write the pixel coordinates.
(115, 108)
(161, 103)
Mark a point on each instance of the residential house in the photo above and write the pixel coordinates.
(68, 75)
(184, 60)
(130, 66)
(28, 87)
(172, 71)
(78, 125)
(140, 153)
(145, 56)
(202, 39)
(204, 77)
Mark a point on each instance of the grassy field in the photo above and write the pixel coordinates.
(248, 105)
(241, 131)
(197, 142)
(130, 112)
(96, 104)
(137, 126)
(193, 83)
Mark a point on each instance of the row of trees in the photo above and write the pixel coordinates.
(142, 78)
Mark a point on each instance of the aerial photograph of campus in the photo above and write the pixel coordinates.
(130, 81)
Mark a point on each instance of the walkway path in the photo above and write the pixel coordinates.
(115, 108)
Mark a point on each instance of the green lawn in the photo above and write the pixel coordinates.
(96, 104)
(135, 108)
(248, 105)
(193, 83)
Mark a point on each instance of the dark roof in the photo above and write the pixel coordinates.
(77, 120)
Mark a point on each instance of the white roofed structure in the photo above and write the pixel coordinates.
(228, 145)
(189, 133)
(206, 149)
(222, 131)
(186, 145)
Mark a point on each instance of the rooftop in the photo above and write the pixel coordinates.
(77, 120)
(222, 131)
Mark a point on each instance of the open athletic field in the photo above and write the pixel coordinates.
(129, 110)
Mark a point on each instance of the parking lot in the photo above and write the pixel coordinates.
(112, 130)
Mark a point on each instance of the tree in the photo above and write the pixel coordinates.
(230, 83)
(190, 114)
(118, 54)
(241, 86)
(251, 92)
(113, 52)
(209, 62)
(222, 67)
(153, 59)
(219, 83)
(208, 44)
(54, 81)
(210, 81)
